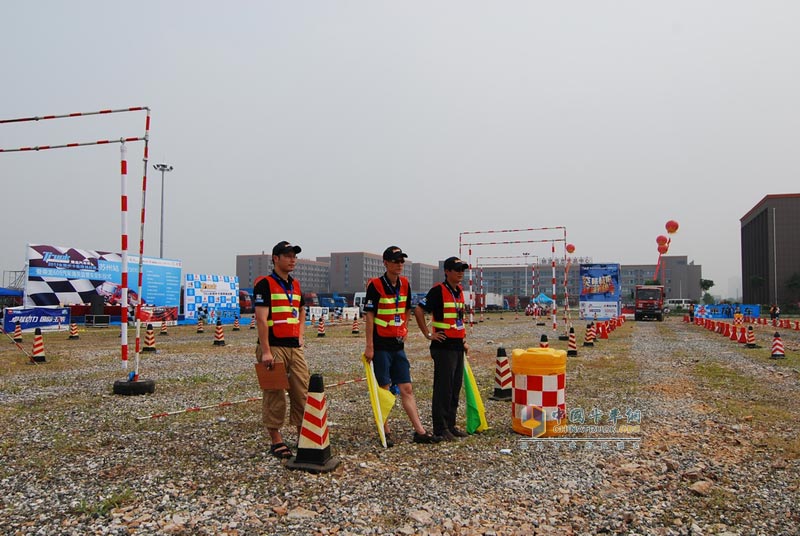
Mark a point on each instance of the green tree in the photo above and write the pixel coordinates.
(708, 299)
(793, 286)
(706, 284)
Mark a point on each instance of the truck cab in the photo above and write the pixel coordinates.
(649, 302)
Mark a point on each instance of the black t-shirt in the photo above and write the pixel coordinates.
(371, 305)
(433, 303)
(262, 297)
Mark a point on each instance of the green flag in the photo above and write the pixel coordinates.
(476, 413)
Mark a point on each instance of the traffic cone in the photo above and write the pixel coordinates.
(686, 318)
(588, 337)
(733, 334)
(777, 347)
(355, 326)
(73, 332)
(797, 325)
(321, 327)
(236, 326)
(219, 335)
(543, 343)
(313, 446)
(163, 330)
(751, 337)
(253, 322)
(149, 339)
(200, 328)
(572, 347)
(742, 335)
(17, 332)
(602, 330)
(502, 377)
(38, 346)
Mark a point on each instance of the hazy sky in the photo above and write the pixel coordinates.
(353, 125)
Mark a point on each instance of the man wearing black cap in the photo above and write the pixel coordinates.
(280, 319)
(445, 303)
(386, 308)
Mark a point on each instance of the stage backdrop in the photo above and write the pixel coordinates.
(211, 297)
(59, 275)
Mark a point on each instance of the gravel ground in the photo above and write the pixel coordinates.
(717, 453)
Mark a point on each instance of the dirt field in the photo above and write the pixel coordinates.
(714, 450)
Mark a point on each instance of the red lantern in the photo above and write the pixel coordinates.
(570, 248)
(671, 226)
(663, 248)
(661, 240)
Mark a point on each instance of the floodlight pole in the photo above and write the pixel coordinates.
(162, 168)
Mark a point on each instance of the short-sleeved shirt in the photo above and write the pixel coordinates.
(433, 303)
(262, 297)
(371, 305)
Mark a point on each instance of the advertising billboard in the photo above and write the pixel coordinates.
(211, 297)
(600, 291)
(59, 275)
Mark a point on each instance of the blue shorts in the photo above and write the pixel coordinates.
(391, 367)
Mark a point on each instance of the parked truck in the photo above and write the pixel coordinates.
(649, 302)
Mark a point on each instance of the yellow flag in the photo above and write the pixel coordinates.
(382, 400)
(476, 413)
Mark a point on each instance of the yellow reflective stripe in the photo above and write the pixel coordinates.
(392, 300)
(381, 323)
(285, 321)
(390, 311)
(440, 325)
(282, 309)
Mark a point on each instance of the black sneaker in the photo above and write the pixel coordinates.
(447, 436)
(458, 433)
(427, 437)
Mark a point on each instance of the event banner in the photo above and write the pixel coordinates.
(59, 275)
(46, 318)
(211, 297)
(727, 310)
(600, 291)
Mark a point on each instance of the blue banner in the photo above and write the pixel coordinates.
(727, 310)
(46, 318)
(600, 291)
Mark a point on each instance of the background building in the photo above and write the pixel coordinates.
(681, 278)
(313, 275)
(771, 250)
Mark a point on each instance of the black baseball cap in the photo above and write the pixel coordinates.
(454, 263)
(285, 247)
(393, 253)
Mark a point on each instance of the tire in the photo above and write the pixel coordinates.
(140, 387)
(660, 318)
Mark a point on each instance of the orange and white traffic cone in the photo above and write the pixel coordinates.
(73, 332)
(777, 347)
(149, 339)
(253, 322)
(355, 330)
(751, 338)
(313, 446)
(236, 326)
(734, 336)
(502, 377)
(321, 327)
(543, 342)
(163, 330)
(219, 335)
(588, 337)
(602, 330)
(38, 347)
(572, 347)
(200, 328)
(17, 337)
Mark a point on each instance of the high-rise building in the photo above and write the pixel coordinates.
(771, 250)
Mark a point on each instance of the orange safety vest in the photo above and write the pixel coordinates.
(284, 316)
(452, 310)
(391, 316)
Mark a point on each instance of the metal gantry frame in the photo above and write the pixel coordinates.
(123, 204)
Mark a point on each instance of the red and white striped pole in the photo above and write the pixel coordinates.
(124, 252)
(139, 284)
(555, 304)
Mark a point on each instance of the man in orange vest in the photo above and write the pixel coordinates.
(386, 306)
(280, 319)
(445, 303)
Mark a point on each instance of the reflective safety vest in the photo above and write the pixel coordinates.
(453, 309)
(391, 316)
(284, 317)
